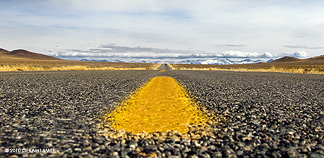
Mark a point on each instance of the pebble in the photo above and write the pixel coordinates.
(256, 114)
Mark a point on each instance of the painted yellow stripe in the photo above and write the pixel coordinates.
(160, 105)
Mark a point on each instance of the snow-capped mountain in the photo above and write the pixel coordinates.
(214, 61)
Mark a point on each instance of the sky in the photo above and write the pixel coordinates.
(102, 29)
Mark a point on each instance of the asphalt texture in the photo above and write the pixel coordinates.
(265, 114)
(164, 67)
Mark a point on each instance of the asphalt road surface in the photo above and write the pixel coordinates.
(164, 67)
(265, 114)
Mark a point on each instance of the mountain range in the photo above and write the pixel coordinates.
(26, 55)
(214, 61)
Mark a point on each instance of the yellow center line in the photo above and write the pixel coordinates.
(160, 105)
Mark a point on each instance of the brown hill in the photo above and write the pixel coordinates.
(27, 54)
(3, 51)
(286, 59)
(317, 58)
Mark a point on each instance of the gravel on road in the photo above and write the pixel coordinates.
(272, 114)
(60, 110)
(263, 114)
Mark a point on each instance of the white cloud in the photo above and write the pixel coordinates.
(116, 51)
(301, 54)
(239, 54)
(296, 54)
(147, 5)
(248, 26)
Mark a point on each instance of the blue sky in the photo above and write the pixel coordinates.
(81, 28)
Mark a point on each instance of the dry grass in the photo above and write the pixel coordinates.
(311, 69)
(155, 66)
(8, 63)
(171, 66)
(62, 68)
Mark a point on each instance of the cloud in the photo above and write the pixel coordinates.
(303, 47)
(299, 54)
(230, 45)
(116, 51)
(149, 5)
(163, 26)
(239, 54)
(123, 49)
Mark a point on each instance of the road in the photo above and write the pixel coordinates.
(164, 67)
(269, 114)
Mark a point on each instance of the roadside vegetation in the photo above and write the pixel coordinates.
(54, 65)
(62, 68)
(311, 69)
(23, 60)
